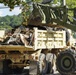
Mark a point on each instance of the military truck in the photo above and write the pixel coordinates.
(58, 17)
(51, 46)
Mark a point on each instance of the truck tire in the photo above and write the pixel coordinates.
(51, 58)
(34, 68)
(17, 70)
(6, 69)
(43, 64)
(50, 69)
(66, 62)
(1, 66)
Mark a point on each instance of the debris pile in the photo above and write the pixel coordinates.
(19, 36)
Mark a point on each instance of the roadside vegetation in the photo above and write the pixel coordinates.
(9, 22)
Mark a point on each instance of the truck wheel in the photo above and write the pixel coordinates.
(1, 66)
(17, 70)
(34, 68)
(6, 69)
(43, 65)
(50, 69)
(66, 62)
(51, 58)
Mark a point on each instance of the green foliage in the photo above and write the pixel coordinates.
(10, 21)
(71, 3)
(10, 3)
(26, 10)
(74, 35)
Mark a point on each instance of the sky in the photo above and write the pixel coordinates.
(6, 11)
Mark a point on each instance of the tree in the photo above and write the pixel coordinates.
(15, 20)
(71, 3)
(26, 5)
(11, 3)
(10, 21)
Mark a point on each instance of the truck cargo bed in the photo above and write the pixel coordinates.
(8, 48)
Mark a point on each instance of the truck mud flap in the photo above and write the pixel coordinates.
(33, 70)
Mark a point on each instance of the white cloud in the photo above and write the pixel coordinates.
(0, 13)
(6, 11)
(16, 11)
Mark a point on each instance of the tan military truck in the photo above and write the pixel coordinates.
(47, 44)
(13, 57)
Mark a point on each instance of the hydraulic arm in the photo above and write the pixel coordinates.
(58, 15)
